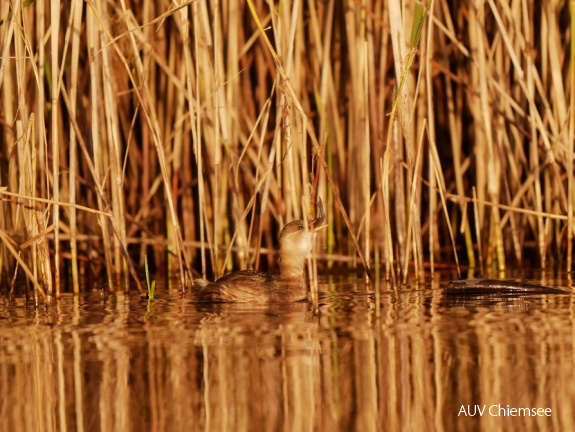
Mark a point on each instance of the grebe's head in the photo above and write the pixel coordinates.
(296, 240)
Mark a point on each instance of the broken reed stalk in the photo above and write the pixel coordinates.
(211, 141)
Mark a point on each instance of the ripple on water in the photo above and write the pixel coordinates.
(345, 363)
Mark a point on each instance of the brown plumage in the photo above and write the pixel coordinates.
(289, 285)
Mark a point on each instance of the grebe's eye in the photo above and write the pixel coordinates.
(300, 227)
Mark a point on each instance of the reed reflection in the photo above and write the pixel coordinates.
(409, 363)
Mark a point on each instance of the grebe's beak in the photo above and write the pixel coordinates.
(316, 224)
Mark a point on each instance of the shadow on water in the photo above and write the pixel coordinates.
(417, 361)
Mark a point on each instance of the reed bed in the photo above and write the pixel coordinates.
(190, 132)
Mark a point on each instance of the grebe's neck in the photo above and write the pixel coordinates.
(292, 266)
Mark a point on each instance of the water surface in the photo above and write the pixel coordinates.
(104, 361)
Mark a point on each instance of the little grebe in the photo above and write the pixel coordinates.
(289, 285)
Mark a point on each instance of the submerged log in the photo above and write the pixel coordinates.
(498, 286)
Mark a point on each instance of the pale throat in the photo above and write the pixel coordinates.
(292, 266)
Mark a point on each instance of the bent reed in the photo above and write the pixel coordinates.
(191, 132)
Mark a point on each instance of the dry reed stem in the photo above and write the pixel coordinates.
(93, 46)
(411, 229)
(570, 142)
(477, 231)
(76, 17)
(443, 195)
(433, 226)
(55, 90)
(4, 191)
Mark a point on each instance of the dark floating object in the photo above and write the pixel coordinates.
(477, 287)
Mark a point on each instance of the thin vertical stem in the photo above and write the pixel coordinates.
(54, 44)
(76, 11)
(571, 143)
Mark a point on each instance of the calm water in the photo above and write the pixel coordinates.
(416, 361)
